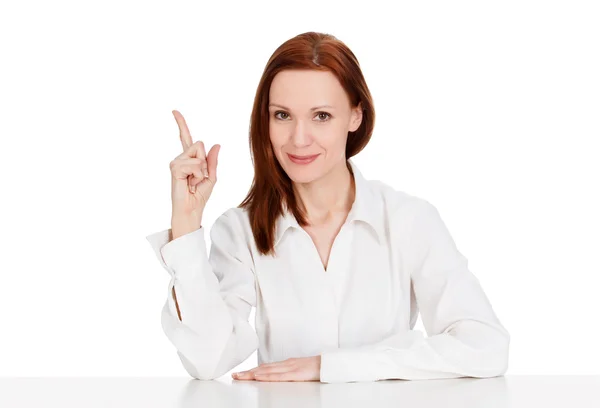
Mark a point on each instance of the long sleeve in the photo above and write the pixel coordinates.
(215, 295)
(465, 337)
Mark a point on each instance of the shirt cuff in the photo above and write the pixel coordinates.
(157, 240)
(345, 365)
(186, 255)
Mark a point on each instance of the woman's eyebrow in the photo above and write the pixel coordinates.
(312, 109)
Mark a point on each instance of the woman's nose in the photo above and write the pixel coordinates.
(300, 135)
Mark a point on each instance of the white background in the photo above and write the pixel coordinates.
(489, 110)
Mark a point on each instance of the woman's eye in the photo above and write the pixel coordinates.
(327, 117)
(278, 112)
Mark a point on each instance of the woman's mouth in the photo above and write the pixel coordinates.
(302, 159)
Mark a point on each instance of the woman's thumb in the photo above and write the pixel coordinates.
(212, 159)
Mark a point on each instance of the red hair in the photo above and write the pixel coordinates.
(271, 188)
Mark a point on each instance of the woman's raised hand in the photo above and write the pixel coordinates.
(194, 174)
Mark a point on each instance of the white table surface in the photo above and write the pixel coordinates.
(148, 392)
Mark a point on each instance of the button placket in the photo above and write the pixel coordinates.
(343, 254)
(329, 315)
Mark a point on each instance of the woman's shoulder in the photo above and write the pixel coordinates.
(397, 202)
(407, 212)
(232, 230)
(234, 218)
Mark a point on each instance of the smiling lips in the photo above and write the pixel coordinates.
(302, 159)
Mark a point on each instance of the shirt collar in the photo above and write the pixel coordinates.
(366, 208)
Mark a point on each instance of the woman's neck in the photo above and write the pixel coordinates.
(328, 197)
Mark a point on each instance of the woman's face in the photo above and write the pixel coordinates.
(310, 114)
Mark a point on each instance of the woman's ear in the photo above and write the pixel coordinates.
(357, 115)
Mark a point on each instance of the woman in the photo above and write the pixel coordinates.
(337, 266)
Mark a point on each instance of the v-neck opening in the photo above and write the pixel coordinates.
(325, 269)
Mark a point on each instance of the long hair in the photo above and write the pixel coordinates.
(271, 187)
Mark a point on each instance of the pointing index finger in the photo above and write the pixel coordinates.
(184, 132)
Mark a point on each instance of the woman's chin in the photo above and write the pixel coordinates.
(302, 176)
(301, 179)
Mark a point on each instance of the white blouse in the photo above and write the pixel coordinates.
(392, 257)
